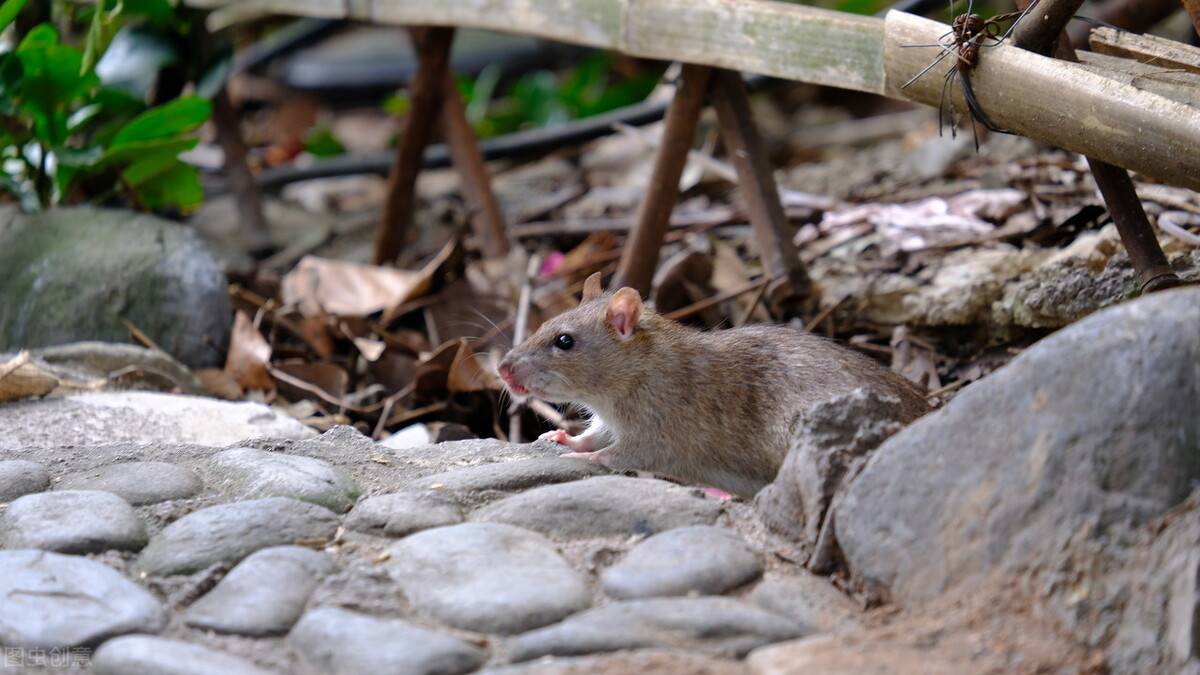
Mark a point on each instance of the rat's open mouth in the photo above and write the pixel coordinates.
(517, 389)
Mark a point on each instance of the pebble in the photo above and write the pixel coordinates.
(252, 473)
(603, 506)
(336, 641)
(50, 600)
(73, 521)
(150, 655)
(807, 599)
(229, 532)
(651, 661)
(402, 513)
(21, 477)
(511, 476)
(138, 482)
(687, 560)
(487, 577)
(264, 595)
(715, 626)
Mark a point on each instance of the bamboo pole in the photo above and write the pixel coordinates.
(1050, 101)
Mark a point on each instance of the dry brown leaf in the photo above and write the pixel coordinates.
(21, 378)
(424, 278)
(248, 356)
(219, 383)
(298, 379)
(467, 372)
(315, 331)
(319, 285)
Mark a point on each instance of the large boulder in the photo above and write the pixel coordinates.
(68, 275)
(1093, 430)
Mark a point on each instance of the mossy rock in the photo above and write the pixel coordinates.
(69, 275)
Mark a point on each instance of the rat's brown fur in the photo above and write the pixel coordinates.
(715, 408)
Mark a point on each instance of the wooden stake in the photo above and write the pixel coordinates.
(640, 256)
(1042, 31)
(425, 96)
(486, 217)
(757, 186)
(252, 225)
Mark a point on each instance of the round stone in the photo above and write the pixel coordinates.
(487, 577)
(138, 482)
(252, 473)
(333, 640)
(716, 626)
(49, 600)
(229, 532)
(808, 599)
(402, 513)
(510, 476)
(73, 521)
(263, 595)
(150, 655)
(603, 506)
(19, 477)
(687, 560)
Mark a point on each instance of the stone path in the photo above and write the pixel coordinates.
(338, 555)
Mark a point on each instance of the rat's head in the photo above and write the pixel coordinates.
(580, 354)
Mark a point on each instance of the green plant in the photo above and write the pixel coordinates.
(66, 137)
(543, 98)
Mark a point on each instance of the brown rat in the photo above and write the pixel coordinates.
(715, 408)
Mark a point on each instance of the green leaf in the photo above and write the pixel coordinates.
(41, 35)
(177, 186)
(83, 158)
(159, 12)
(130, 152)
(178, 116)
(9, 11)
(148, 168)
(322, 142)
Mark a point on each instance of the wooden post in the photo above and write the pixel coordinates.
(486, 217)
(432, 46)
(252, 224)
(1041, 31)
(757, 186)
(640, 257)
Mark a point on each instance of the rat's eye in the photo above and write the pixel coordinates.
(564, 342)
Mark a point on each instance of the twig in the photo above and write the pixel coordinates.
(520, 328)
(824, 314)
(944, 389)
(704, 304)
(1166, 223)
(547, 412)
(762, 290)
(142, 337)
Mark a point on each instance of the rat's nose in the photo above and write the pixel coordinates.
(507, 373)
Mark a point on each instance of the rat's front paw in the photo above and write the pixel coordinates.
(600, 457)
(580, 444)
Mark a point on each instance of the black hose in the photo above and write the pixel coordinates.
(509, 146)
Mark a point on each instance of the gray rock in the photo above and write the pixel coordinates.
(150, 655)
(711, 625)
(402, 513)
(254, 473)
(21, 477)
(832, 441)
(487, 577)
(335, 641)
(807, 599)
(73, 521)
(137, 482)
(649, 661)
(264, 595)
(1094, 426)
(700, 559)
(510, 476)
(106, 417)
(604, 506)
(229, 532)
(75, 274)
(49, 600)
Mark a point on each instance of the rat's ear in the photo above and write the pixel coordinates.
(592, 288)
(624, 310)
